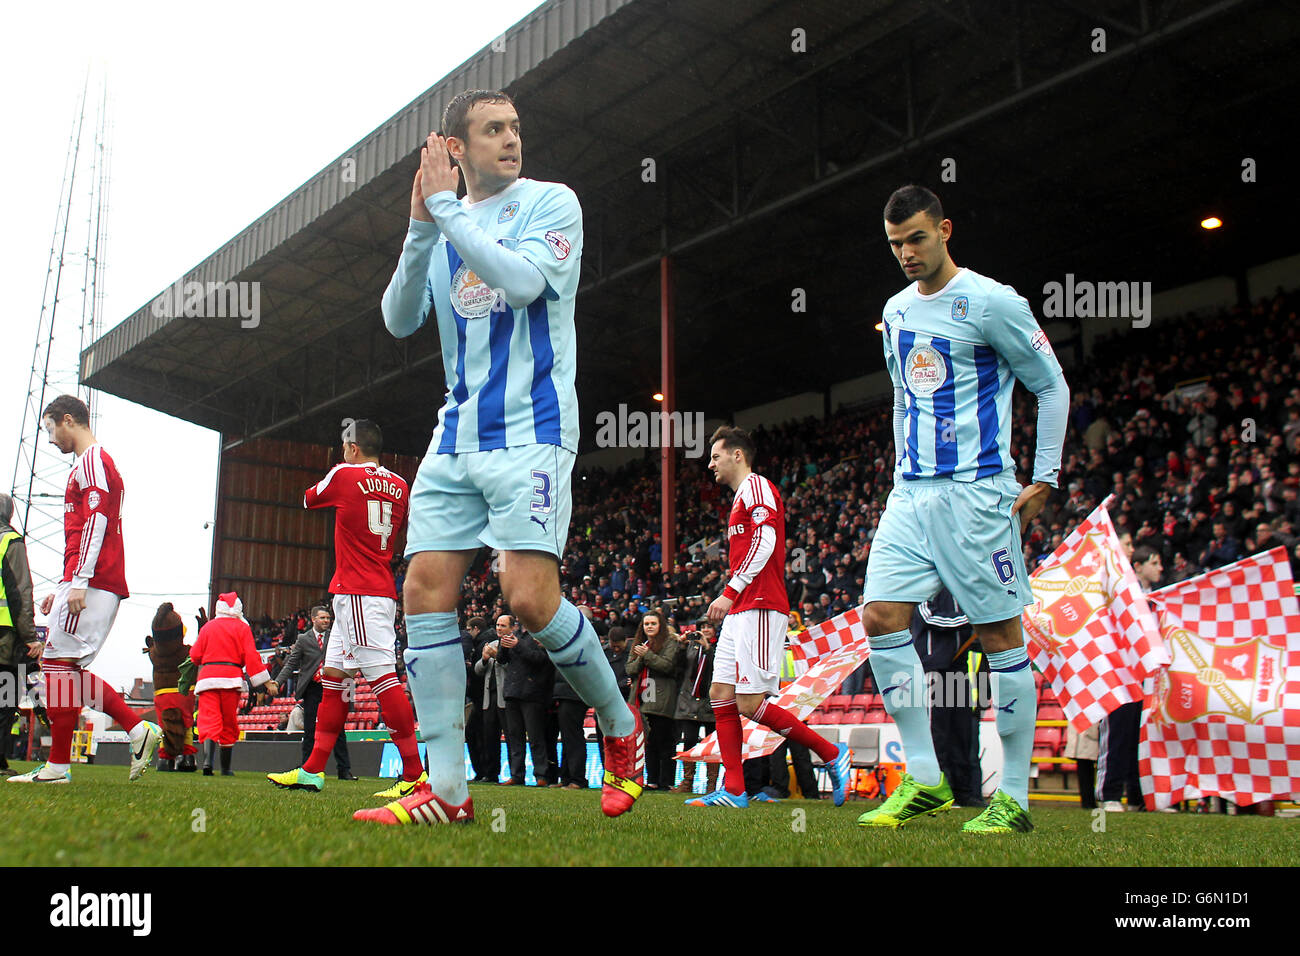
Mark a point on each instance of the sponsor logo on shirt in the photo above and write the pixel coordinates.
(925, 370)
(960, 308)
(470, 295)
(559, 244)
(735, 529)
(508, 212)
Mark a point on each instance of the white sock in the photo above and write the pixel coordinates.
(54, 769)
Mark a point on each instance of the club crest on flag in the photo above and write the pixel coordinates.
(1238, 680)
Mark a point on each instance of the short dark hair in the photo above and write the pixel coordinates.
(366, 436)
(733, 437)
(319, 607)
(477, 622)
(1142, 554)
(907, 201)
(67, 405)
(455, 118)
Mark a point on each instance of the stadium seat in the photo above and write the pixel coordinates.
(854, 715)
(1050, 712)
(1049, 737)
(836, 702)
(876, 717)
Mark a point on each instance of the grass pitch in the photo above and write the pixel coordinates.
(190, 820)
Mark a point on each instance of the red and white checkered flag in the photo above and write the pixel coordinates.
(1090, 630)
(804, 694)
(1224, 717)
(820, 639)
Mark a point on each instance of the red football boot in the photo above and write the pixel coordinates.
(422, 806)
(624, 768)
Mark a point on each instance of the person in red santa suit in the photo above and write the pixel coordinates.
(224, 650)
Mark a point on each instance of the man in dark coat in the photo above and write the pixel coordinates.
(529, 677)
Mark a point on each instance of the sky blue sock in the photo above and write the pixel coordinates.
(435, 673)
(574, 647)
(1012, 682)
(901, 683)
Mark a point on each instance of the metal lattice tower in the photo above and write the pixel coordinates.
(80, 222)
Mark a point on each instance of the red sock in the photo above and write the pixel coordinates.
(791, 727)
(99, 696)
(62, 707)
(329, 722)
(728, 730)
(401, 723)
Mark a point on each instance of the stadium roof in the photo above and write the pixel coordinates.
(771, 166)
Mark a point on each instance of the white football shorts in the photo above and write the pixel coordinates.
(364, 637)
(750, 650)
(80, 637)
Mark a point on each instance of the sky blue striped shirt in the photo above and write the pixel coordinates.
(509, 369)
(956, 355)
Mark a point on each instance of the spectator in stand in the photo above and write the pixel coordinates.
(473, 694)
(1222, 549)
(654, 663)
(694, 712)
(492, 703)
(529, 678)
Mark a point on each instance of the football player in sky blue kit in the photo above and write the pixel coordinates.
(500, 271)
(955, 344)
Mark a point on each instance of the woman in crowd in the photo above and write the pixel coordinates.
(654, 664)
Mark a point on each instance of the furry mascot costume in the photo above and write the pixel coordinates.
(166, 649)
(224, 649)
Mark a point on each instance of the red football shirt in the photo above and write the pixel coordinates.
(370, 503)
(755, 555)
(93, 555)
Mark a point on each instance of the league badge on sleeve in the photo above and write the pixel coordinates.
(960, 308)
(559, 244)
(1039, 341)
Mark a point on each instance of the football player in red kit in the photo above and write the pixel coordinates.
(370, 504)
(753, 610)
(82, 610)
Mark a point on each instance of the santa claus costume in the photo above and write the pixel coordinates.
(223, 651)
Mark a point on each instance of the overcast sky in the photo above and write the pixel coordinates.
(218, 113)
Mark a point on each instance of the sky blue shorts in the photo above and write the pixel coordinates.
(959, 534)
(511, 499)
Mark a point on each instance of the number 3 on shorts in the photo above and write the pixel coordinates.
(1006, 571)
(541, 502)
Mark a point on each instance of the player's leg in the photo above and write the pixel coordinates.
(758, 656)
(435, 665)
(726, 715)
(375, 654)
(987, 577)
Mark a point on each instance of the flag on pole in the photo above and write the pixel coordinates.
(1091, 633)
(1224, 717)
(846, 640)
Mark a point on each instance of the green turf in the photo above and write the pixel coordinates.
(101, 819)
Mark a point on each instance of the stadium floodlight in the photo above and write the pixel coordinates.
(1211, 222)
(658, 396)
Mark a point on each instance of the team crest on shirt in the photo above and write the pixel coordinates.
(470, 295)
(559, 244)
(925, 371)
(960, 308)
(508, 212)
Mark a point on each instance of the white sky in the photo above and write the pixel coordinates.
(218, 113)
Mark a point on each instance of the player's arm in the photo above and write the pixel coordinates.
(409, 295)
(323, 494)
(550, 244)
(762, 546)
(900, 398)
(1012, 330)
